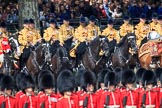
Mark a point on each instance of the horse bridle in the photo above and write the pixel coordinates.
(45, 59)
(90, 52)
(132, 43)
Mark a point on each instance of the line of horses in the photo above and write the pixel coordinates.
(56, 58)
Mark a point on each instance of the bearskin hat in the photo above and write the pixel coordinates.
(1, 76)
(139, 74)
(110, 79)
(7, 82)
(118, 72)
(27, 82)
(19, 78)
(65, 81)
(78, 76)
(101, 75)
(128, 77)
(148, 77)
(158, 72)
(87, 79)
(46, 81)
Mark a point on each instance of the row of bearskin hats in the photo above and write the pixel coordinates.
(142, 76)
(66, 81)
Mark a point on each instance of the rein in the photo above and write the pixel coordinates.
(96, 61)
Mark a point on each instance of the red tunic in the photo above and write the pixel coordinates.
(114, 99)
(67, 102)
(49, 100)
(17, 96)
(151, 99)
(31, 100)
(9, 101)
(98, 94)
(160, 97)
(92, 100)
(4, 45)
(132, 98)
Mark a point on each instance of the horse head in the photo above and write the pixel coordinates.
(7, 64)
(104, 44)
(41, 55)
(14, 46)
(98, 44)
(46, 52)
(132, 42)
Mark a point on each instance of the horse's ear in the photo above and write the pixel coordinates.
(43, 41)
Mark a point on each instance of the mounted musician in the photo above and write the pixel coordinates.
(4, 42)
(22, 35)
(65, 31)
(82, 39)
(51, 34)
(93, 29)
(126, 28)
(154, 22)
(141, 29)
(28, 37)
(110, 32)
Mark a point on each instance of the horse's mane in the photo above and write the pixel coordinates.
(122, 41)
(144, 40)
(62, 51)
(93, 42)
(38, 47)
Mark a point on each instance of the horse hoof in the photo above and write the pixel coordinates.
(152, 65)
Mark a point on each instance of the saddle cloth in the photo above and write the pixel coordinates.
(144, 49)
(154, 48)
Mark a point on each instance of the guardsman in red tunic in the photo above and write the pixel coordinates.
(19, 78)
(4, 43)
(46, 97)
(88, 99)
(101, 84)
(139, 74)
(1, 76)
(110, 98)
(118, 71)
(66, 85)
(27, 100)
(129, 96)
(6, 99)
(158, 73)
(160, 93)
(149, 97)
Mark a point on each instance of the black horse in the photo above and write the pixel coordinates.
(91, 60)
(122, 56)
(60, 59)
(39, 57)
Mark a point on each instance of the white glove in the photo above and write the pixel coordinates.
(7, 50)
